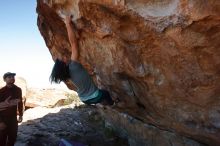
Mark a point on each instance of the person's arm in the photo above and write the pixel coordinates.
(5, 103)
(8, 103)
(20, 106)
(72, 38)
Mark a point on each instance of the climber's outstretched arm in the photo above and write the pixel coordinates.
(72, 38)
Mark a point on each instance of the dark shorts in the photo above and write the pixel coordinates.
(103, 96)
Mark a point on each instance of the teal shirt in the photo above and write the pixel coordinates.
(86, 88)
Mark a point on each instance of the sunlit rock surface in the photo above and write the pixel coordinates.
(162, 58)
(48, 97)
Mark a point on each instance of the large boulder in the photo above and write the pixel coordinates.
(49, 97)
(161, 58)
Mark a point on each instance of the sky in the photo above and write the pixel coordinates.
(22, 48)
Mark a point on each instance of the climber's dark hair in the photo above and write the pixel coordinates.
(60, 72)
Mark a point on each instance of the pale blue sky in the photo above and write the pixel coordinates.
(22, 48)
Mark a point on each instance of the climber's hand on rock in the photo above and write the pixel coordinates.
(68, 19)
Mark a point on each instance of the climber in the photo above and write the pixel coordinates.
(64, 70)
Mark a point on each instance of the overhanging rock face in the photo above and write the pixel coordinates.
(162, 58)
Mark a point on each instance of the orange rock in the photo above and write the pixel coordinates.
(162, 58)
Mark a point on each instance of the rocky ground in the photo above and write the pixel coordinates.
(46, 126)
(52, 115)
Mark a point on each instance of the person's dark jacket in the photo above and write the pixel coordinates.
(15, 93)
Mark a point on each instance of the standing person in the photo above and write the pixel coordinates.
(10, 102)
(63, 70)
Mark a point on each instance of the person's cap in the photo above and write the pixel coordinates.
(7, 74)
